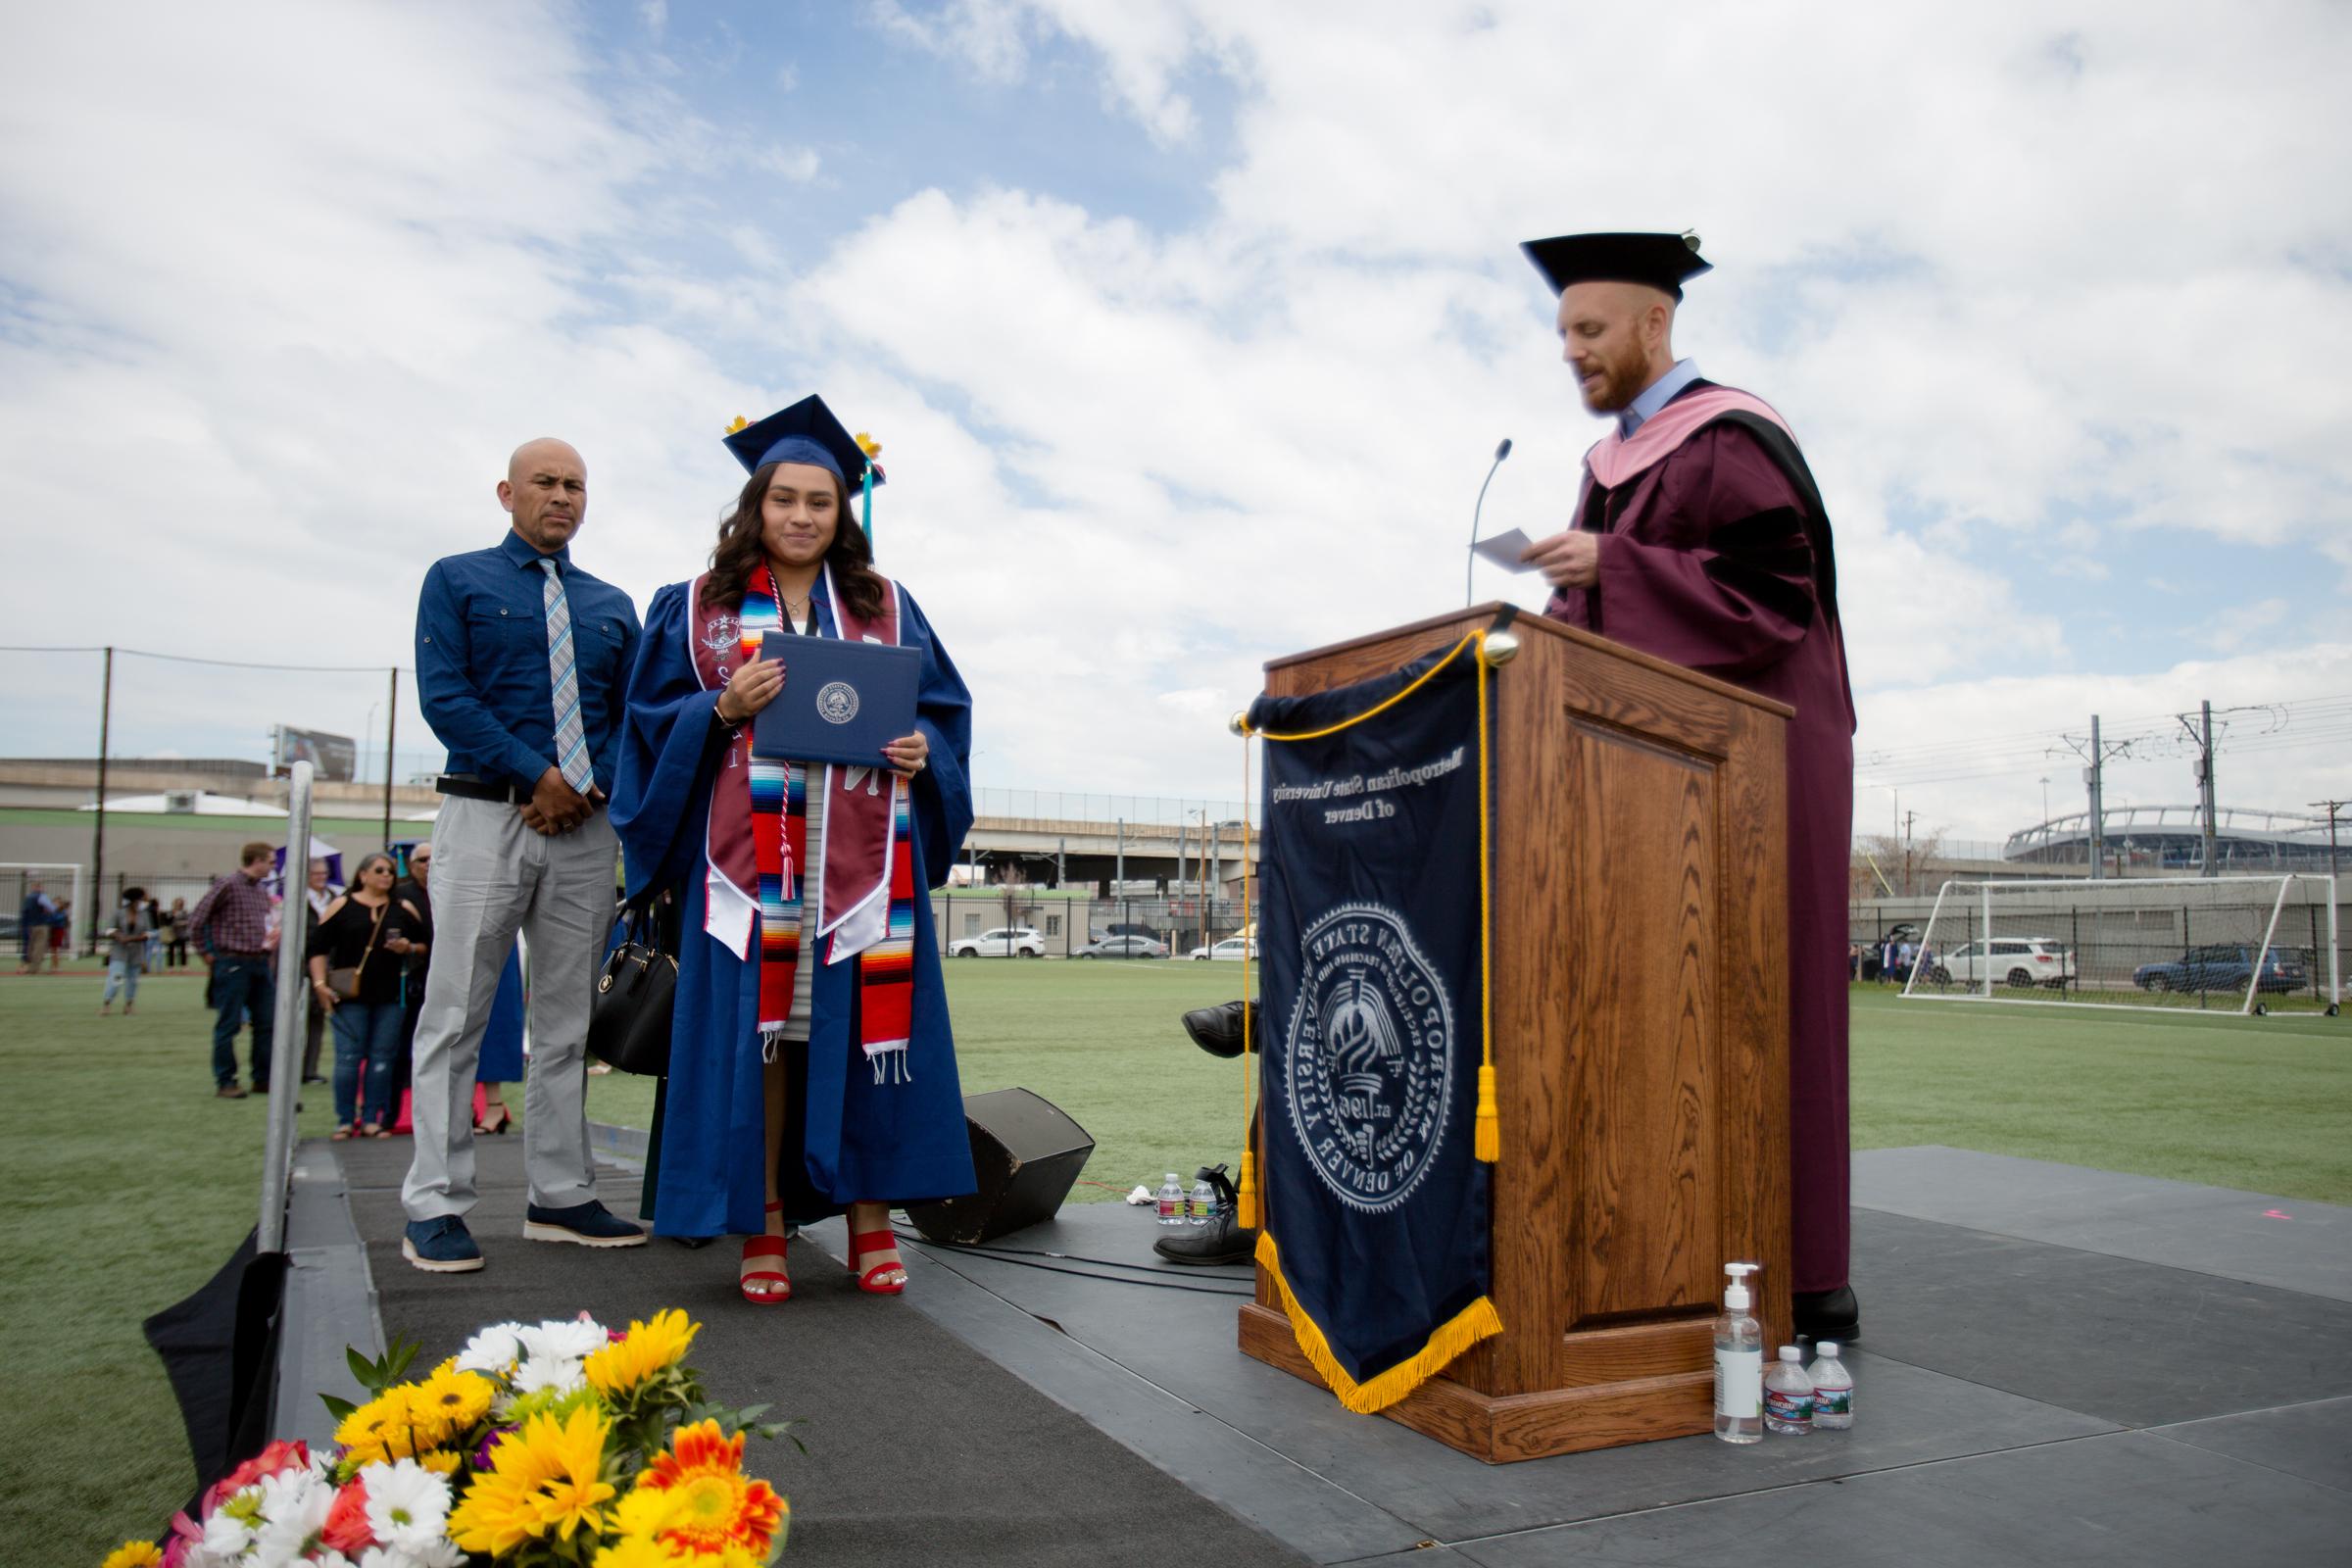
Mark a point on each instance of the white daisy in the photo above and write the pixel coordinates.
(225, 1534)
(570, 1339)
(563, 1374)
(493, 1351)
(407, 1505)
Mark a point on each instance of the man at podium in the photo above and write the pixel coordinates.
(1699, 537)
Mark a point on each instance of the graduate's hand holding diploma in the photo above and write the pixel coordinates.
(1570, 559)
(749, 690)
(908, 754)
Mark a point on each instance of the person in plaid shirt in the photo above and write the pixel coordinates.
(230, 927)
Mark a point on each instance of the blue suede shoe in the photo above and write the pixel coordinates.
(440, 1246)
(589, 1224)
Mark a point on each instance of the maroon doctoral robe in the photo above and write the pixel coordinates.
(1715, 555)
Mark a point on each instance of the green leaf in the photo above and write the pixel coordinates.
(361, 1368)
(340, 1409)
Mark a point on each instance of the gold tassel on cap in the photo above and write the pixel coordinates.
(1245, 1206)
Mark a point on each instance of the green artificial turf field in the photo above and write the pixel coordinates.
(130, 1184)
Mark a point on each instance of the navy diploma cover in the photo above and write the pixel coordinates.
(842, 701)
(1375, 1217)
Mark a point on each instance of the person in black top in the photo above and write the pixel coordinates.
(368, 930)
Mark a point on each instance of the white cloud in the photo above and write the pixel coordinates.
(2007, 270)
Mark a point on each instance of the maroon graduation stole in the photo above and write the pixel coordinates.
(757, 846)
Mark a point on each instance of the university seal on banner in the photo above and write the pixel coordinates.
(1371, 1057)
(837, 702)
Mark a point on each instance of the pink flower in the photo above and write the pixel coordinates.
(186, 1535)
(347, 1530)
(275, 1459)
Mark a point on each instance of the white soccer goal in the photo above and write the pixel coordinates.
(2231, 944)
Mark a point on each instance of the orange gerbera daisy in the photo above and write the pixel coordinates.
(714, 1506)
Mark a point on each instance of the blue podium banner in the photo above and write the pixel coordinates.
(1375, 1218)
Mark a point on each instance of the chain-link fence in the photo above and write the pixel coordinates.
(1019, 922)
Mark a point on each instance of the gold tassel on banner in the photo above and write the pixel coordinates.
(1245, 1198)
(1486, 1141)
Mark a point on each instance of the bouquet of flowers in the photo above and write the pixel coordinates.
(549, 1444)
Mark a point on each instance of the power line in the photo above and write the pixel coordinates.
(217, 664)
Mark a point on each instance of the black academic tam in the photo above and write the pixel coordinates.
(1660, 261)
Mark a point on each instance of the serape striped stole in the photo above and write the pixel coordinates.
(758, 840)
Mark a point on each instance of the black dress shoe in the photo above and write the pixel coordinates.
(1222, 1240)
(1218, 1029)
(1833, 1315)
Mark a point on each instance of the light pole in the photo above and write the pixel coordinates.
(2046, 801)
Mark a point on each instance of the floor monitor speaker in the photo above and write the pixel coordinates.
(1027, 1154)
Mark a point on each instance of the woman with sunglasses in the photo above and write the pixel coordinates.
(372, 933)
(812, 1070)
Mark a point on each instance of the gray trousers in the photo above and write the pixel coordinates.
(493, 876)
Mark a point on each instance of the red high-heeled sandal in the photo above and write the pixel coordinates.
(869, 1242)
(759, 1247)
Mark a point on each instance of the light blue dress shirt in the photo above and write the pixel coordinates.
(1642, 409)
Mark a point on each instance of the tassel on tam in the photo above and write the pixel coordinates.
(1245, 1206)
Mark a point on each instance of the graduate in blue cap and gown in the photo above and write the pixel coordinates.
(1700, 536)
(811, 1065)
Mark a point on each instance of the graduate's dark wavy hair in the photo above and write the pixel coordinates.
(739, 551)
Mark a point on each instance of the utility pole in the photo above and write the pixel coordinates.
(2331, 807)
(2203, 733)
(391, 723)
(1909, 888)
(1118, 876)
(106, 720)
(1061, 850)
(2094, 757)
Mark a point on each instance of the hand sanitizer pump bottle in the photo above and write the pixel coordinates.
(1739, 1362)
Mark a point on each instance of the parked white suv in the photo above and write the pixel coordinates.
(1002, 943)
(1230, 947)
(2020, 961)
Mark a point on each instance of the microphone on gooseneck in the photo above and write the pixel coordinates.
(1502, 452)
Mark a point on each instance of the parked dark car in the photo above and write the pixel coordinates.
(1123, 947)
(2222, 969)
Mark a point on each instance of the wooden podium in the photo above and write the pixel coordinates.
(1640, 1040)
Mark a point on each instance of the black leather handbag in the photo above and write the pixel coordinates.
(628, 1018)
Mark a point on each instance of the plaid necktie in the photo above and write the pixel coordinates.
(571, 739)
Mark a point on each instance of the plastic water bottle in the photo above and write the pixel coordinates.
(1203, 1205)
(1833, 1388)
(1171, 1200)
(1789, 1394)
(1738, 1363)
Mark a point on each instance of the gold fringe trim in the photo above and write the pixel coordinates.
(1473, 1323)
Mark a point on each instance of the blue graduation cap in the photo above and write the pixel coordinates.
(1660, 261)
(808, 432)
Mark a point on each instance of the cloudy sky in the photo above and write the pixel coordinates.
(1188, 330)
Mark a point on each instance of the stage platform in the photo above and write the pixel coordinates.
(2058, 1367)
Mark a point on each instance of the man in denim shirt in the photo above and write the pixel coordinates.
(521, 661)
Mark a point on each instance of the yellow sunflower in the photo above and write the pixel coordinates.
(648, 1348)
(133, 1554)
(449, 1403)
(382, 1428)
(546, 1476)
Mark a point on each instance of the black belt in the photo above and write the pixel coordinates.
(225, 954)
(475, 789)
